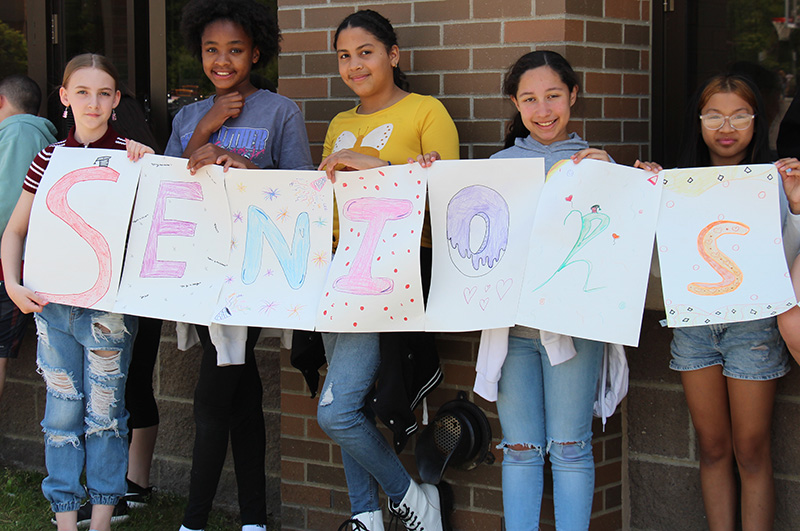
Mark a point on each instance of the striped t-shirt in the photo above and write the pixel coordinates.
(110, 140)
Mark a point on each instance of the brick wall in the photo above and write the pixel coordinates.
(458, 51)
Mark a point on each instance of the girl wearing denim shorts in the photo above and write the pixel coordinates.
(83, 354)
(729, 371)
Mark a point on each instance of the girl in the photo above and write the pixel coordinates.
(421, 129)
(545, 408)
(729, 390)
(83, 354)
(244, 127)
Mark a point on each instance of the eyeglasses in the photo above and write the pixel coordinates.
(714, 121)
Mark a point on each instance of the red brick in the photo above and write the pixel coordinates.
(485, 58)
(601, 83)
(326, 475)
(620, 107)
(313, 431)
(305, 495)
(636, 84)
(316, 133)
(477, 521)
(447, 11)
(637, 35)
(605, 32)
(310, 450)
(298, 404)
(290, 18)
(293, 426)
(501, 9)
(307, 87)
(625, 154)
(456, 107)
(396, 13)
(553, 30)
(550, 7)
(307, 41)
(292, 470)
(425, 60)
(608, 474)
(592, 8)
(324, 520)
(418, 36)
(606, 522)
(321, 64)
(290, 65)
(472, 33)
(622, 9)
(472, 83)
(326, 17)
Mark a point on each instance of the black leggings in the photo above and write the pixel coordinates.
(227, 402)
(139, 399)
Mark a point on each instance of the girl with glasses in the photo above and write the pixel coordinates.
(730, 371)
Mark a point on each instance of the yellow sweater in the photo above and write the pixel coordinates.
(413, 126)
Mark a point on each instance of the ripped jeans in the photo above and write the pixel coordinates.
(543, 407)
(369, 460)
(85, 421)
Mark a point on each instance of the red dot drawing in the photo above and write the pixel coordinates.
(395, 269)
(362, 308)
(325, 312)
(348, 247)
(412, 300)
(377, 187)
(355, 324)
(381, 173)
(378, 259)
(344, 185)
(405, 318)
(568, 198)
(385, 308)
(408, 286)
(395, 184)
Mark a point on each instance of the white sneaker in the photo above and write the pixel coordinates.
(425, 507)
(371, 521)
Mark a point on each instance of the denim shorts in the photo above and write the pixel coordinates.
(13, 324)
(749, 350)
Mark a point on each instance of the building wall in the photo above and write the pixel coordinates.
(458, 51)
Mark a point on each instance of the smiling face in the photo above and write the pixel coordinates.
(228, 55)
(365, 64)
(544, 101)
(727, 146)
(92, 94)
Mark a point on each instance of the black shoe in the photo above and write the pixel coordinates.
(138, 497)
(85, 514)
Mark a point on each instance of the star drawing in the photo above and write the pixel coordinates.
(271, 193)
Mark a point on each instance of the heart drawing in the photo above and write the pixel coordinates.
(469, 293)
(503, 286)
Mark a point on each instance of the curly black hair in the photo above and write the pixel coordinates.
(257, 20)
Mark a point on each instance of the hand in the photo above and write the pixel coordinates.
(590, 153)
(26, 300)
(136, 150)
(425, 160)
(654, 167)
(789, 168)
(224, 107)
(213, 154)
(348, 160)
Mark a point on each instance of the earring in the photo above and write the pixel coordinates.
(64, 114)
(113, 115)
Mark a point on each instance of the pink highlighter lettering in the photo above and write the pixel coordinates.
(152, 267)
(57, 204)
(376, 212)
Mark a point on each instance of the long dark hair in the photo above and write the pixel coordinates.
(694, 151)
(376, 24)
(529, 61)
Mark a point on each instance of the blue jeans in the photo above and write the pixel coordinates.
(85, 421)
(548, 409)
(369, 460)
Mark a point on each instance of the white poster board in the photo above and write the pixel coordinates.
(590, 251)
(481, 215)
(78, 225)
(280, 248)
(374, 283)
(179, 242)
(720, 245)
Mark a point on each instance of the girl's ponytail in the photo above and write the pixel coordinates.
(516, 129)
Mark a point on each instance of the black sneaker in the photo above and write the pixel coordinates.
(85, 514)
(138, 497)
